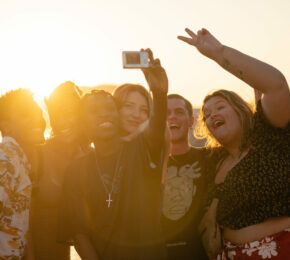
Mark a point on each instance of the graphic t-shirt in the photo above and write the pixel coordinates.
(182, 202)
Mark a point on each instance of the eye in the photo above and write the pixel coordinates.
(206, 116)
(180, 112)
(220, 107)
(128, 105)
(145, 110)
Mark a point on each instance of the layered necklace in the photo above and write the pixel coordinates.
(114, 181)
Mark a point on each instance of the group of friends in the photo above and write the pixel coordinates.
(118, 178)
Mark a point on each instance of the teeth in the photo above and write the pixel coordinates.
(173, 126)
(106, 124)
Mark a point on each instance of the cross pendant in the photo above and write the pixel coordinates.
(109, 200)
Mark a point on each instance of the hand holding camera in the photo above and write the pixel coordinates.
(155, 74)
(153, 71)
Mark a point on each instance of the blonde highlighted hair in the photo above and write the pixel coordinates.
(242, 108)
(121, 93)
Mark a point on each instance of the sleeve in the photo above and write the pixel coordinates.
(155, 133)
(266, 135)
(72, 209)
(153, 164)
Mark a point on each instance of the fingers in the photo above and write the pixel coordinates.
(205, 31)
(152, 62)
(190, 33)
(192, 40)
(194, 37)
(155, 63)
(150, 54)
(187, 40)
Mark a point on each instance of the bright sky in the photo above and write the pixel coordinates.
(44, 43)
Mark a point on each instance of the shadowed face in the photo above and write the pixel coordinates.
(222, 121)
(65, 122)
(178, 119)
(133, 112)
(26, 124)
(100, 117)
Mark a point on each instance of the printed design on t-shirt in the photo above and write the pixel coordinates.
(179, 190)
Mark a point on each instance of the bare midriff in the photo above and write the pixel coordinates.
(257, 231)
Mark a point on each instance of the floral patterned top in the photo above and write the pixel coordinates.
(258, 187)
(15, 193)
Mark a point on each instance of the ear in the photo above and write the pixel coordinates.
(191, 121)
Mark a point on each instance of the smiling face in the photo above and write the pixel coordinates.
(222, 121)
(65, 123)
(100, 117)
(133, 112)
(178, 119)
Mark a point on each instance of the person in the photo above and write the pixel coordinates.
(112, 197)
(134, 104)
(22, 128)
(66, 143)
(184, 185)
(250, 176)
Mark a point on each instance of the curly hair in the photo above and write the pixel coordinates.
(241, 107)
(96, 92)
(14, 99)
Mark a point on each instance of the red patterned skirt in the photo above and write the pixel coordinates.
(275, 247)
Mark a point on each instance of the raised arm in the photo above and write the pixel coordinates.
(157, 80)
(259, 75)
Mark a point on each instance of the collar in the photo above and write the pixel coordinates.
(15, 146)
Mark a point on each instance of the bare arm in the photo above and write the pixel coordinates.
(85, 248)
(259, 75)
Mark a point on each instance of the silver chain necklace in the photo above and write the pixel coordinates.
(117, 169)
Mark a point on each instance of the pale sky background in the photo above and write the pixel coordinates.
(44, 43)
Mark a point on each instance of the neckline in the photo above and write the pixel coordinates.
(231, 170)
(116, 171)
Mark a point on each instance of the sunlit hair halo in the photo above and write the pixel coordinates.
(14, 99)
(64, 93)
(241, 107)
(97, 92)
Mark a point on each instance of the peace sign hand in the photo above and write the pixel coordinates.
(205, 42)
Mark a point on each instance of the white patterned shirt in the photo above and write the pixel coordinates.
(15, 194)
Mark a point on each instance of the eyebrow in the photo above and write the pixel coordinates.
(216, 103)
(132, 103)
(219, 101)
(179, 109)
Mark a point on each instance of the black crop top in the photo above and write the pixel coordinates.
(258, 187)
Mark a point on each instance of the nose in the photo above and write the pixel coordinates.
(136, 113)
(171, 118)
(213, 114)
(170, 115)
(104, 113)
